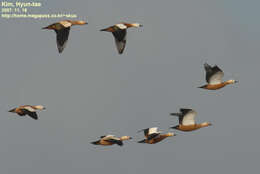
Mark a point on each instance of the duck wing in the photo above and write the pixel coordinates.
(32, 114)
(214, 74)
(152, 136)
(62, 36)
(114, 140)
(146, 131)
(180, 115)
(120, 39)
(188, 117)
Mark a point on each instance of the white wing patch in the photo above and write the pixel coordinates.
(189, 118)
(66, 24)
(153, 130)
(109, 137)
(121, 26)
(216, 78)
(28, 108)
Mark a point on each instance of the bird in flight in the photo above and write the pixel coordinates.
(187, 120)
(62, 29)
(108, 140)
(119, 33)
(214, 77)
(153, 136)
(28, 110)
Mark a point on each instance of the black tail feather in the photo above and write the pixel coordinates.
(175, 127)
(142, 141)
(12, 110)
(202, 86)
(95, 142)
(120, 143)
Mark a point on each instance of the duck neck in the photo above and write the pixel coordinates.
(123, 138)
(204, 124)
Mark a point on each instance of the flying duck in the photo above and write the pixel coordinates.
(119, 33)
(108, 140)
(153, 136)
(187, 120)
(28, 110)
(214, 77)
(62, 29)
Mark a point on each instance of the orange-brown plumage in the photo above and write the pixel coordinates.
(108, 140)
(214, 77)
(29, 110)
(62, 29)
(187, 120)
(153, 136)
(119, 32)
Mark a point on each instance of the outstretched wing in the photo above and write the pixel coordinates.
(152, 136)
(120, 39)
(62, 38)
(115, 140)
(214, 74)
(107, 136)
(188, 117)
(180, 115)
(31, 114)
(153, 130)
(149, 131)
(146, 131)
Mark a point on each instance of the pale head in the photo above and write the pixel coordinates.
(136, 25)
(125, 138)
(39, 107)
(205, 124)
(231, 81)
(78, 22)
(170, 134)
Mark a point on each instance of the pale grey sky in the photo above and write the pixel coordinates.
(89, 90)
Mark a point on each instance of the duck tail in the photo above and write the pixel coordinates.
(142, 141)
(103, 29)
(95, 142)
(175, 127)
(202, 86)
(12, 110)
(119, 143)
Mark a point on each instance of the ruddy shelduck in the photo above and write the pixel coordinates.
(28, 110)
(119, 33)
(153, 136)
(62, 29)
(214, 77)
(108, 140)
(187, 120)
